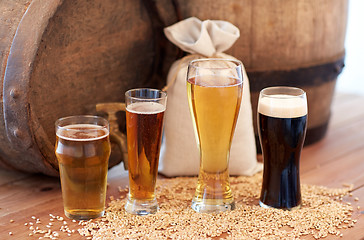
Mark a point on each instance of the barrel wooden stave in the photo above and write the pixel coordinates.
(279, 35)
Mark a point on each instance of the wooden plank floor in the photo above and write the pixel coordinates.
(336, 160)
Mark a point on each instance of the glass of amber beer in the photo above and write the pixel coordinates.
(83, 150)
(144, 123)
(282, 123)
(214, 88)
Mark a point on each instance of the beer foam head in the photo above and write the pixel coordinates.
(282, 106)
(215, 81)
(82, 132)
(146, 107)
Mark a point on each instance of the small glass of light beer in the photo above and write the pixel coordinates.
(214, 89)
(282, 123)
(144, 123)
(83, 150)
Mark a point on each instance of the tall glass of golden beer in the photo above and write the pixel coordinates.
(83, 150)
(214, 88)
(144, 123)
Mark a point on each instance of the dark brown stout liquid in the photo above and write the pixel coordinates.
(281, 140)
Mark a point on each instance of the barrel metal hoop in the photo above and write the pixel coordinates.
(18, 70)
(299, 77)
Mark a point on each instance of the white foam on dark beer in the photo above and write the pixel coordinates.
(282, 106)
(89, 132)
(146, 108)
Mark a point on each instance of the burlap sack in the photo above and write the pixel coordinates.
(179, 152)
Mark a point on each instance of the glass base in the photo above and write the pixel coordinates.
(83, 214)
(289, 209)
(212, 206)
(141, 207)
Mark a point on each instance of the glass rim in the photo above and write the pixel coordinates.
(105, 125)
(282, 95)
(236, 61)
(163, 94)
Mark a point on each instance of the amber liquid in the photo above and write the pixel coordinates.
(83, 162)
(144, 134)
(214, 103)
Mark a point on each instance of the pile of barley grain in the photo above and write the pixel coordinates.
(322, 213)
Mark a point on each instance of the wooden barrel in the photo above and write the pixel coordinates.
(62, 57)
(287, 42)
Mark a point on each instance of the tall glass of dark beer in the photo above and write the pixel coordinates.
(144, 123)
(214, 88)
(282, 123)
(83, 150)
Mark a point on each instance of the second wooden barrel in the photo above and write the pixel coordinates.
(286, 42)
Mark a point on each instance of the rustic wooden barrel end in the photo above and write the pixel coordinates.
(61, 58)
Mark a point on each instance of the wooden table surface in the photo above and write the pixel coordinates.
(335, 161)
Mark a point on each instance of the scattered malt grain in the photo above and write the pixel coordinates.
(320, 215)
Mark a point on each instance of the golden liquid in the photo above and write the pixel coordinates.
(144, 133)
(83, 164)
(214, 103)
